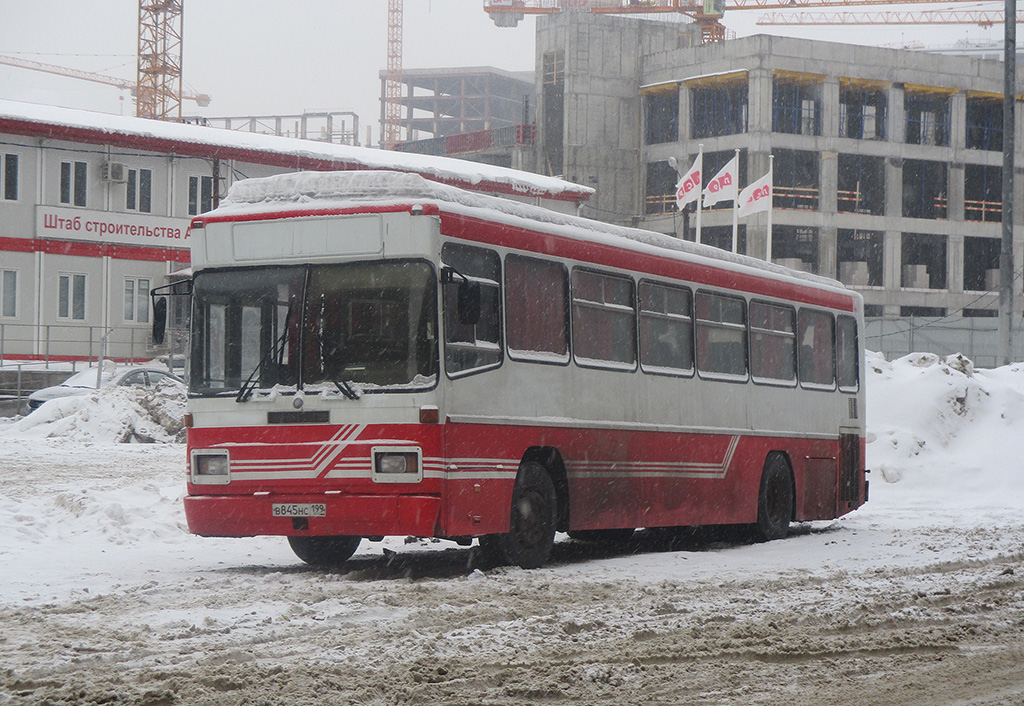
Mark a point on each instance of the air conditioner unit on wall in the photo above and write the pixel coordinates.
(114, 171)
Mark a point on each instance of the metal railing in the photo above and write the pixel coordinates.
(975, 337)
(52, 342)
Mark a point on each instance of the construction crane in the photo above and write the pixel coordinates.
(706, 13)
(158, 91)
(982, 18)
(157, 87)
(393, 78)
(201, 99)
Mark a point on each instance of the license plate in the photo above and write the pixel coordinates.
(298, 510)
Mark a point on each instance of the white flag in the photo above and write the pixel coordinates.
(723, 186)
(756, 197)
(688, 188)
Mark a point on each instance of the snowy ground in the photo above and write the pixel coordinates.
(917, 598)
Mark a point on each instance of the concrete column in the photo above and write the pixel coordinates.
(955, 193)
(759, 97)
(828, 182)
(830, 107)
(828, 251)
(685, 109)
(895, 115)
(958, 120)
(892, 268)
(894, 187)
(955, 263)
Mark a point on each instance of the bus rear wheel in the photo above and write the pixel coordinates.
(531, 531)
(774, 500)
(324, 551)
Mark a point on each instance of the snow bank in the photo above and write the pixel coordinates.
(945, 431)
(114, 414)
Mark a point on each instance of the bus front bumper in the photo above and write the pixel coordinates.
(312, 515)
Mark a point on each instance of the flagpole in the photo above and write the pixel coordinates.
(735, 209)
(771, 204)
(700, 188)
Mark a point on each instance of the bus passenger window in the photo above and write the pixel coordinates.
(471, 346)
(816, 334)
(666, 329)
(603, 320)
(536, 310)
(847, 353)
(721, 335)
(772, 343)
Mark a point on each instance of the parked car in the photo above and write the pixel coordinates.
(84, 382)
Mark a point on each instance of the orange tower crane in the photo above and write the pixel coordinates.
(706, 13)
(158, 92)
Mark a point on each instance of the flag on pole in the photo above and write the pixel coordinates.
(688, 188)
(723, 186)
(756, 197)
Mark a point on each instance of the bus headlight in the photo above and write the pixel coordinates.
(210, 467)
(397, 465)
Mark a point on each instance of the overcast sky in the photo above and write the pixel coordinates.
(269, 57)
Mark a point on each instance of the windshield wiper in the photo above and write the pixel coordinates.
(345, 388)
(245, 392)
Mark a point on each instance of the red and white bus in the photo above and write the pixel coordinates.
(376, 354)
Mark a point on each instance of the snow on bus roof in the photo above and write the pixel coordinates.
(195, 140)
(329, 191)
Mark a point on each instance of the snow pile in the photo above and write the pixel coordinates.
(113, 414)
(942, 429)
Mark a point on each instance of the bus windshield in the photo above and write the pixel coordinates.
(367, 325)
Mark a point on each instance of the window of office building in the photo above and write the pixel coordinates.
(981, 264)
(73, 181)
(795, 247)
(200, 194)
(71, 297)
(139, 192)
(9, 177)
(661, 188)
(136, 300)
(861, 185)
(8, 293)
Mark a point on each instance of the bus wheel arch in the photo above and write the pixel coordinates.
(776, 498)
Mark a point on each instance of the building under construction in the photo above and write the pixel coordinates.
(887, 163)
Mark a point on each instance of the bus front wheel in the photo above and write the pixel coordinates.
(324, 551)
(774, 500)
(531, 531)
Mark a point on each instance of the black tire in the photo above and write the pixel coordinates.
(531, 532)
(324, 551)
(603, 536)
(774, 500)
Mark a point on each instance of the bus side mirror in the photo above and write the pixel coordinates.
(159, 319)
(469, 303)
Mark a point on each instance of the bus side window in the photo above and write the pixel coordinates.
(536, 310)
(817, 359)
(603, 320)
(847, 354)
(772, 343)
(471, 346)
(721, 335)
(666, 329)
